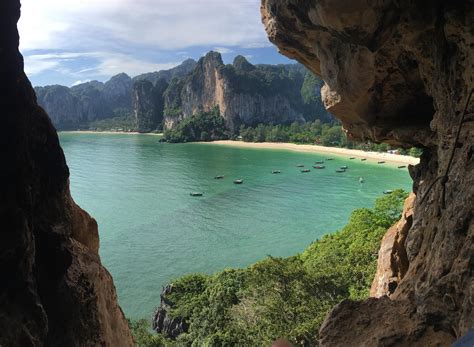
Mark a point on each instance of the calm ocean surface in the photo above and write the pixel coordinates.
(152, 230)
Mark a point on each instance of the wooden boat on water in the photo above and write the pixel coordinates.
(319, 166)
(388, 191)
(238, 181)
(344, 167)
(381, 162)
(305, 170)
(219, 177)
(300, 165)
(351, 158)
(363, 159)
(276, 171)
(196, 194)
(341, 170)
(319, 162)
(402, 166)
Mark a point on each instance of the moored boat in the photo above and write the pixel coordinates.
(305, 170)
(276, 171)
(196, 194)
(402, 166)
(344, 167)
(381, 162)
(351, 158)
(363, 159)
(361, 180)
(341, 170)
(300, 165)
(319, 166)
(319, 162)
(219, 177)
(238, 181)
(388, 191)
(329, 158)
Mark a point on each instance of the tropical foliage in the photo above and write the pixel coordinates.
(315, 132)
(282, 297)
(204, 126)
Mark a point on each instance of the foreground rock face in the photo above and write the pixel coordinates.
(400, 72)
(393, 260)
(54, 290)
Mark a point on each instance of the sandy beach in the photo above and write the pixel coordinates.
(107, 132)
(346, 152)
(372, 156)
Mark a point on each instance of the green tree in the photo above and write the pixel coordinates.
(284, 297)
(415, 152)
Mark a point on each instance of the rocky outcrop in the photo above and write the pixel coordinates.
(78, 106)
(239, 90)
(75, 107)
(245, 94)
(117, 91)
(64, 107)
(163, 322)
(148, 104)
(401, 72)
(54, 290)
(392, 262)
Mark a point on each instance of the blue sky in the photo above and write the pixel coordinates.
(72, 41)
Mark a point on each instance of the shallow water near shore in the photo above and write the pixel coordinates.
(152, 230)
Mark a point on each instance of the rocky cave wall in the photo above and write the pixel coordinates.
(53, 289)
(400, 72)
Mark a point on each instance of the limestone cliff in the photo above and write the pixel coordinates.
(64, 107)
(401, 72)
(54, 290)
(78, 106)
(240, 92)
(245, 94)
(148, 104)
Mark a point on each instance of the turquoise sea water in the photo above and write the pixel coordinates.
(152, 230)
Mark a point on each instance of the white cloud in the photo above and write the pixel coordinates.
(79, 82)
(37, 63)
(163, 24)
(223, 50)
(107, 64)
(113, 63)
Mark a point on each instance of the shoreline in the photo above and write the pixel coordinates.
(305, 148)
(370, 156)
(106, 132)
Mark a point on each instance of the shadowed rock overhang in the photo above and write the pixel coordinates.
(400, 72)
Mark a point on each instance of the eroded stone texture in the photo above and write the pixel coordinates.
(53, 289)
(400, 72)
(392, 263)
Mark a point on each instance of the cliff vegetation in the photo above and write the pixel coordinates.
(203, 126)
(277, 297)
